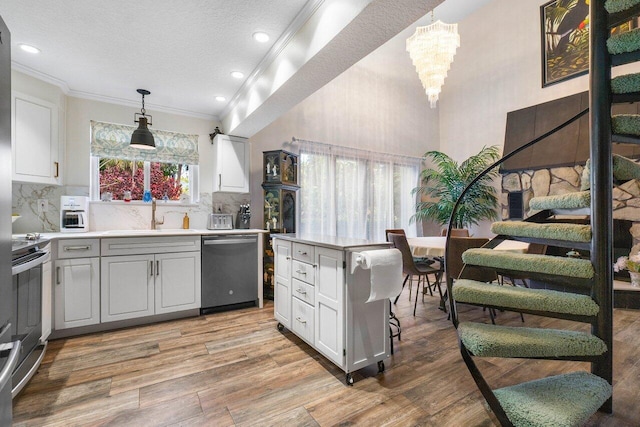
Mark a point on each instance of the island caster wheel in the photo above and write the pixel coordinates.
(280, 327)
(380, 367)
(349, 379)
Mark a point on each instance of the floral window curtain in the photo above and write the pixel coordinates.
(355, 193)
(112, 140)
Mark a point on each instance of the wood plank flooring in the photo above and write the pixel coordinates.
(236, 369)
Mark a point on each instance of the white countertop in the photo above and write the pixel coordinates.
(333, 242)
(144, 233)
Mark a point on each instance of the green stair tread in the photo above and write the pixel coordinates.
(624, 169)
(517, 298)
(626, 83)
(624, 42)
(532, 263)
(615, 6)
(576, 200)
(626, 124)
(555, 231)
(507, 341)
(558, 401)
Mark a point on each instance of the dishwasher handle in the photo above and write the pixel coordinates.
(230, 241)
(12, 361)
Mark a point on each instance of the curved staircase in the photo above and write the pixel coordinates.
(583, 284)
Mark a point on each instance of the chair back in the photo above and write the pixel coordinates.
(400, 243)
(394, 231)
(455, 266)
(537, 248)
(456, 232)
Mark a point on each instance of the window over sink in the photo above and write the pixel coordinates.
(169, 172)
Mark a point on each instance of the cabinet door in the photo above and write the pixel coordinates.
(329, 288)
(177, 282)
(77, 292)
(127, 287)
(34, 130)
(282, 285)
(231, 173)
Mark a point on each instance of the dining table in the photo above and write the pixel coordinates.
(433, 246)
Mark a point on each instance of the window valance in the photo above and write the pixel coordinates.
(112, 140)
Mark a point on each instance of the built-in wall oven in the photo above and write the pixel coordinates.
(28, 256)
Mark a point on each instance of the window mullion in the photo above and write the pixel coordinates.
(147, 176)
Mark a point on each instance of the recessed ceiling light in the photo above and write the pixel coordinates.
(261, 37)
(29, 48)
(220, 98)
(237, 74)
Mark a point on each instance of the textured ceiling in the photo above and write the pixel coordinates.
(182, 51)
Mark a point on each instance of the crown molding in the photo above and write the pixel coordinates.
(301, 18)
(103, 98)
(41, 76)
(136, 103)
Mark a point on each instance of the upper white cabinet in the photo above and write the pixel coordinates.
(35, 140)
(231, 164)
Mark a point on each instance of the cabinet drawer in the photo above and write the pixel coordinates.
(78, 248)
(303, 252)
(149, 245)
(302, 320)
(303, 271)
(304, 291)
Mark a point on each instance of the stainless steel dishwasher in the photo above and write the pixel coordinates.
(229, 272)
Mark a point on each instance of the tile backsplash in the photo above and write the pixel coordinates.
(113, 215)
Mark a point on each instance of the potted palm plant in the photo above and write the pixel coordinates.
(443, 184)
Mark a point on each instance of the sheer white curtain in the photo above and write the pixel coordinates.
(355, 193)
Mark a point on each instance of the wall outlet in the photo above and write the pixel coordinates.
(43, 205)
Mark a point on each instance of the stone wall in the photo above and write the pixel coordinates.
(556, 181)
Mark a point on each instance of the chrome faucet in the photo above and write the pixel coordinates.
(154, 221)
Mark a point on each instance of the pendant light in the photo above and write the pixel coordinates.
(142, 137)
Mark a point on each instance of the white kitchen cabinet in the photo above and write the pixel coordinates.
(325, 304)
(231, 162)
(35, 140)
(149, 275)
(77, 292)
(77, 283)
(282, 285)
(177, 284)
(329, 298)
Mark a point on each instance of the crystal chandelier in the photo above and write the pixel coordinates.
(431, 49)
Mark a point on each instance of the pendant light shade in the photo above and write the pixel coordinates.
(142, 137)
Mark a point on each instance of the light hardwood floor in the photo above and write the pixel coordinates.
(236, 369)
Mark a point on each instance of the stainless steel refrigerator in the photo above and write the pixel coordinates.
(8, 350)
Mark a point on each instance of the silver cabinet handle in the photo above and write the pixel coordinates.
(151, 268)
(12, 361)
(219, 181)
(300, 291)
(288, 258)
(301, 320)
(301, 272)
(302, 253)
(77, 248)
(57, 275)
(157, 267)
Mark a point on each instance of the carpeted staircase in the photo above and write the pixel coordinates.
(585, 282)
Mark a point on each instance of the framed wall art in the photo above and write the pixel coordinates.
(565, 39)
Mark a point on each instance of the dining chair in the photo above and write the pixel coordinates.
(411, 268)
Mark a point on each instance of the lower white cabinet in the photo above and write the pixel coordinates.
(318, 299)
(77, 292)
(145, 284)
